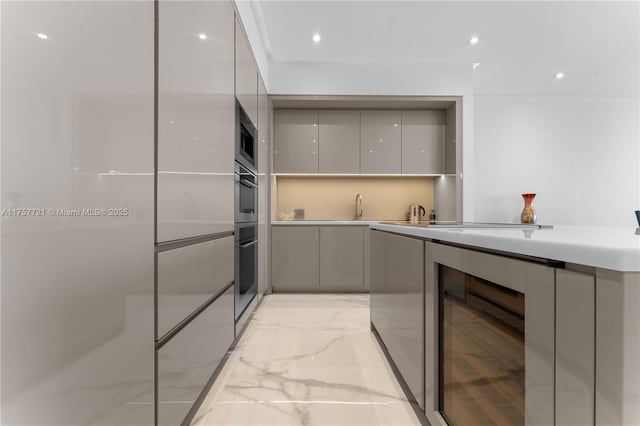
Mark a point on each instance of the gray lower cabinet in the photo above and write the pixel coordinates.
(380, 144)
(423, 142)
(339, 136)
(295, 257)
(342, 256)
(295, 141)
(378, 294)
(318, 258)
(575, 348)
(186, 362)
(190, 276)
(397, 290)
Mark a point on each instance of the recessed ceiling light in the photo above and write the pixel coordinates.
(476, 65)
(42, 36)
(316, 38)
(474, 40)
(560, 75)
(202, 36)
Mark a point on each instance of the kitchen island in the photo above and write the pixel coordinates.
(513, 326)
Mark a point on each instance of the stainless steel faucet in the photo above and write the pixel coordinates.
(358, 201)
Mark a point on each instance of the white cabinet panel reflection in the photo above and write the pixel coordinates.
(196, 119)
(77, 269)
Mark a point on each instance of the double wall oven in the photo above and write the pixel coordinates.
(246, 213)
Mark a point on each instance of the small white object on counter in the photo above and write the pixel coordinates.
(614, 248)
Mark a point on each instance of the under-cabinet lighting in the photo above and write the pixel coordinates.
(360, 174)
(202, 36)
(42, 36)
(560, 75)
(474, 40)
(317, 38)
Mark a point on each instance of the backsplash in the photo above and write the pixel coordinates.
(333, 198)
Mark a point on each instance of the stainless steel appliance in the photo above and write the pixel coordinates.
(246, 195)
(246, 266)
(246, 149)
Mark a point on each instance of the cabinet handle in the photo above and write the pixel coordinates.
(242, 246)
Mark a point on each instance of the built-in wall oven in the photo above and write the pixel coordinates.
(246, 266)
(246, 195)
(490, 352)
(246, 213)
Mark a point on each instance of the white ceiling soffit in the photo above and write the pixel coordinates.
(521, 48)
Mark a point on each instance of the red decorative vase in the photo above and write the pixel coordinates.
(528, 215)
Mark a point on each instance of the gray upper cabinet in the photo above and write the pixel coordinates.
(342, 256)
(380, 145)
(423, 142)
(339, 137)
(296, 141)
(246, 75)
(450, 141)
(295, 257)
(365, 142)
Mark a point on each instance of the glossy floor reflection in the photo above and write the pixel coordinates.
(307, 360)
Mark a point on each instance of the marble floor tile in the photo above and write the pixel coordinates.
(307, 360)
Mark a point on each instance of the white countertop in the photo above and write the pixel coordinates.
(324, 222)
(615, 248)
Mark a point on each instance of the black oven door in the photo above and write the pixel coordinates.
(246, 266)
(246, 195)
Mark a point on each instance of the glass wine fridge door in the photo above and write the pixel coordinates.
(482, 351)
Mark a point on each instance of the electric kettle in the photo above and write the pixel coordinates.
(416, 211)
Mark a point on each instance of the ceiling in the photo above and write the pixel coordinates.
(522, 44)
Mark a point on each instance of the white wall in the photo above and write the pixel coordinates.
(581, 155)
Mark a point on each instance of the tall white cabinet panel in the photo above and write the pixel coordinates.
(77, 291)
(295, 257)
(246, 75)
(296, 141)
(339, 136)
(575, 348)
(380, 144)
(423, 136)
(342, 256)
(263, 187)
(195, 119)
